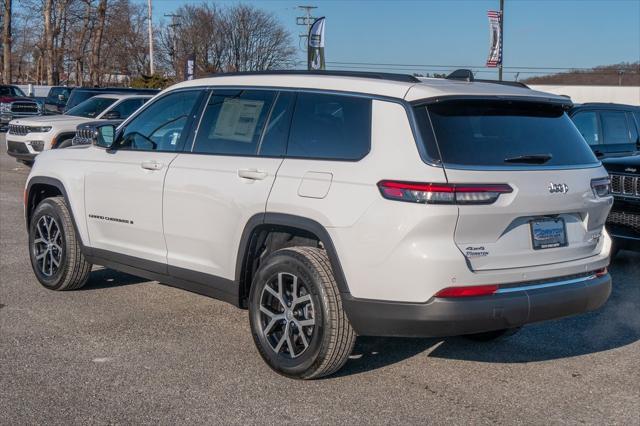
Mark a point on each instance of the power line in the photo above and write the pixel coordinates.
(461, 66)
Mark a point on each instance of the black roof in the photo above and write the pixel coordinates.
(405, 78)
(115, 90)
(606, 105)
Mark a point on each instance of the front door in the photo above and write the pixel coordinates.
(123, 186)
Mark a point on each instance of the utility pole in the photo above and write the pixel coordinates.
(501, 39)
(151, 69)
(306, 20)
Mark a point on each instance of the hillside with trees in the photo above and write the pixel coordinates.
(623, 74)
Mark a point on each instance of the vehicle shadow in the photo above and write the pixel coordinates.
(614, 325)
(102, 278)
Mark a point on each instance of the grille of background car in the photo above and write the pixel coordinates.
(629, 186)
(18, 129)
(629, 220)
(24, 107)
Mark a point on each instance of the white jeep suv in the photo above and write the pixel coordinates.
(336, 204)
(28, 137)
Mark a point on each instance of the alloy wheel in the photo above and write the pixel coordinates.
(287, 315)
(47, 245)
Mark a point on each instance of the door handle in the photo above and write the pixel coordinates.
(151, 165)
(252, 174)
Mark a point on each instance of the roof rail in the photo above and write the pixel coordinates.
(405, 78)
(467, 75)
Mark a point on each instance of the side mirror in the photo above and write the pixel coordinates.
(98, 134)
(111, 115)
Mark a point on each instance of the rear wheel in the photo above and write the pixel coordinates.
(296, 315)
(492, 335)
(54, 247)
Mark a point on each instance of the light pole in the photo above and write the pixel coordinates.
(151, 69)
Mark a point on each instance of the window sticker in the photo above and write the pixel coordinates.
(237, 120)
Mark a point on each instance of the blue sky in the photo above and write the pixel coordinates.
(538, 33)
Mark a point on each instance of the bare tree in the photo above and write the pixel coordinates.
(6, 43)
(95, 71)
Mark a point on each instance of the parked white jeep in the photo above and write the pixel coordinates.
(333, 205)
(27, 137)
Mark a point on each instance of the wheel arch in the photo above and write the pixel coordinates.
(41, 187)
(302, 230)
(61, 138)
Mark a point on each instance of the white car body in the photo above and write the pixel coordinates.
(60, 128)
(183, 217)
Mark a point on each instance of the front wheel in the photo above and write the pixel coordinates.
(54, 247)
(296, 315)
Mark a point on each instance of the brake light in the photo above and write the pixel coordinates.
(442, 193)
(470, 291)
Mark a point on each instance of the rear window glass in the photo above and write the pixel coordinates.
(505, 133)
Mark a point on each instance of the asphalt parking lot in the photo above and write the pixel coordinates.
(125, 350)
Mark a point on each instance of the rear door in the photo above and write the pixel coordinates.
(224, 179)
(552, 214)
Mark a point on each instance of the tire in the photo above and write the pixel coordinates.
(52, 225)
(312, 351)
(488, 336)
(65, 144)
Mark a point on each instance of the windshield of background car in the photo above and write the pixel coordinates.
(11, 91)
(504, 133)
(91, 108)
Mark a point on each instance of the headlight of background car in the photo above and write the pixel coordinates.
(5, 107)
(39, 129)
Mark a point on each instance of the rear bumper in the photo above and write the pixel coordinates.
(510, 307)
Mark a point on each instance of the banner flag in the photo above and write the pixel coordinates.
(495, 39)
(315, 48)
(190, 68)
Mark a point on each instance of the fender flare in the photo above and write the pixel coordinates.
(45, 180)
(289, 221)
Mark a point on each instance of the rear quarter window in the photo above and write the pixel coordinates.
(331, 127)
(487, 133)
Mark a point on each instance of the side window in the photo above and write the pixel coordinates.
(328, 126)
(587, 124)
(128, 107)
(233, 122)
(161, 126)
(633, 130)
(614, 127)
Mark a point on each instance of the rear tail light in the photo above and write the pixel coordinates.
(601, 272)
(442, 193)
(601, 187)
(470, 291)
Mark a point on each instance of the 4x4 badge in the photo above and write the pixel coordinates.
(561, 188)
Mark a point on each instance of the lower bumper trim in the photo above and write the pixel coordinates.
(451, 317)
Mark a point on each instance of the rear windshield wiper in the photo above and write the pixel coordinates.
(531, 159)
